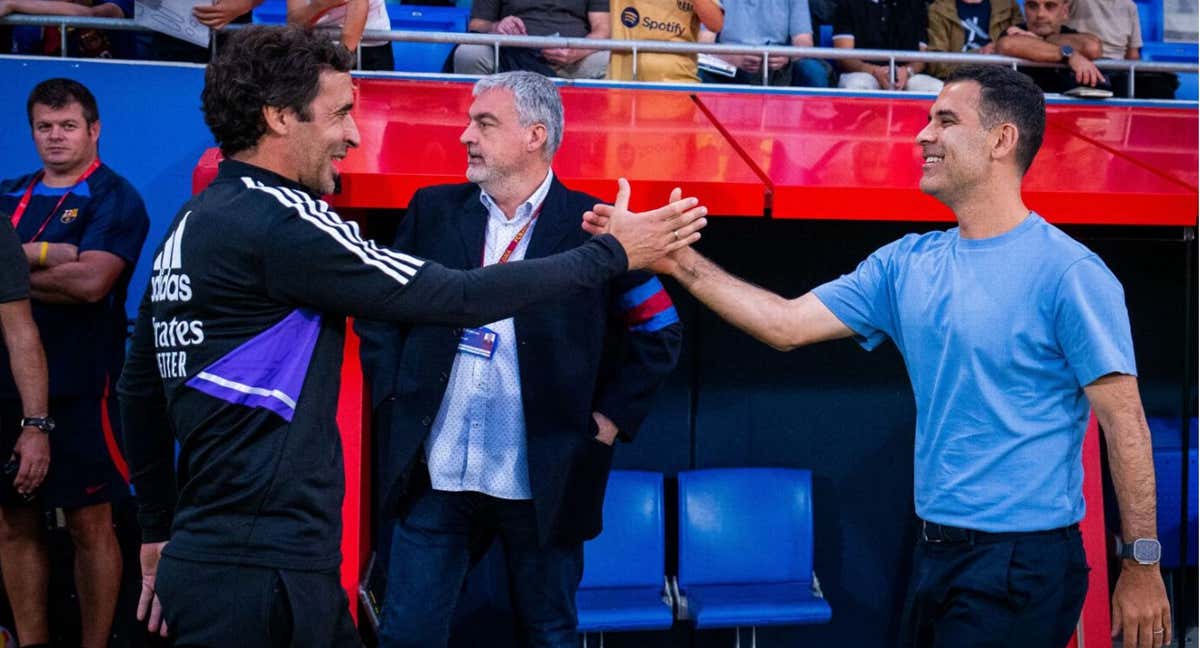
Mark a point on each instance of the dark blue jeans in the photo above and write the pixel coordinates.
(435, 545)
(996, 591)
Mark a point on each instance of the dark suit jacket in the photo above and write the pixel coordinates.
(578, 354)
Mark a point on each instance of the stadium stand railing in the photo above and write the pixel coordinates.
(496, 41)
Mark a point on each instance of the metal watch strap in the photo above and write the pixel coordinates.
(43, 423)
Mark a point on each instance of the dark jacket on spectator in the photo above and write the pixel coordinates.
(946, 34)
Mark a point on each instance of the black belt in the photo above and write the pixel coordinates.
(935, 533)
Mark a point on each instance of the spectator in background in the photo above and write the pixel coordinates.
(888, 25)
(662, 20)
(214, 15)
(82, 43)
(773, 22)
(353, 16)
(968, 26)
(82, 226)
(1045, 37)
(1116, 24)
(519, 447)
(569, 19)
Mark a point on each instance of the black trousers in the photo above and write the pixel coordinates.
(1010, 590)
(214, 605)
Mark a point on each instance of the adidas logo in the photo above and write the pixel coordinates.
(166, 284)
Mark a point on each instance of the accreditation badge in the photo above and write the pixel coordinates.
(479, 341)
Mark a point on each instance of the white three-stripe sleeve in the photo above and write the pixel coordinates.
(315, 259)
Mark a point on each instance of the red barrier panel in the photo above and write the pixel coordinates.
(1095, 624)
(354, 423)
(846, 158)
(817, 156)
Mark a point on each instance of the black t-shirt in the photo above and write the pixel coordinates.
(975, 17)
(84, 343)
(1051, 79)
(542, 18)
(882, 24)
(14, 269)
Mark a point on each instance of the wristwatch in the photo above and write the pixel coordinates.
(1066, 51)
(1143, 551)
(43, 423)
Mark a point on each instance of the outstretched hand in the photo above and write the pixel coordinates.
(598, 220)
(648, 236)
(1141, 615)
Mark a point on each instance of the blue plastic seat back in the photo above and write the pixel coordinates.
(424, 57)
(1168, 465)
(1148, 15)
(629, 551)
(745, 525)
(270, 12)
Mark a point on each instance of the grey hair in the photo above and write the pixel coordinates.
(537, 102)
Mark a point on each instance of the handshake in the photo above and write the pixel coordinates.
(648, 237)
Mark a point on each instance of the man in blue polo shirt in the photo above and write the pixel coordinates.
(82, 227)
(774, 22)
(1009, 330)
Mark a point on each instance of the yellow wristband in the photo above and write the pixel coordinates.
(42, 254)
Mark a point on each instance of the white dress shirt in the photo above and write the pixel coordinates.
(477, 442)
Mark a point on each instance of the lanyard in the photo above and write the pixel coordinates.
(508, 251)
(21, 206)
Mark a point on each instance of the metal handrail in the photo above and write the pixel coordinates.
(496, 41)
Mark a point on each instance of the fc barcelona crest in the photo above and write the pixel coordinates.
(68, 215)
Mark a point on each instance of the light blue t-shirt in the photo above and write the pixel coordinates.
(765, 22)
(999, 335)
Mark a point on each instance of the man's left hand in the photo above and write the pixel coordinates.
(33, 449)
(1086, 72)
(777, 61)
(608, 430)
(561, 55)
(1140, 612)
(221, 12)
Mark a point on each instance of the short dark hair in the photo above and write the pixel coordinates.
(1008, 96)
(60, 92)
(265, 66)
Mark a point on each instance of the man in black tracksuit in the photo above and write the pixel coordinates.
(239, 341)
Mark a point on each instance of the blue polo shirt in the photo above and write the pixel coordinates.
(85, 343)
(999, 336)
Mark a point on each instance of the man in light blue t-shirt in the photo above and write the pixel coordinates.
(1010, 330)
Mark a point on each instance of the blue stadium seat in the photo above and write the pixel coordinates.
(623, 586)
(1189, 87)
(425, 57)
(1168, 466)
(1169, 52)
(410, 57)
(746, 548)
(270, 12)
(1148, 16)
(826, 36)
(1174, 53)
